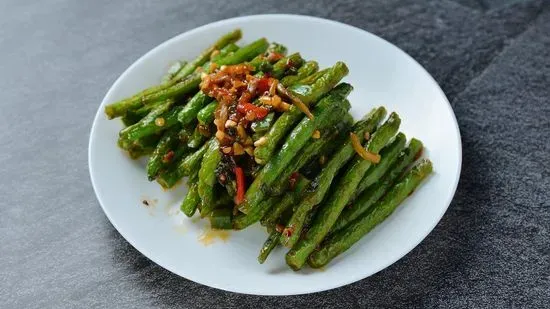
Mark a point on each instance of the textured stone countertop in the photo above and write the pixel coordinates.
(59, 57)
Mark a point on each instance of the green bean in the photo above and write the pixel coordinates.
(192, 162)
(296, 141)
(226, 39)
(206, 114)
(152, 125)
(197, 139)
(168, 178)
(277, 213)
(323, 181)
(291, 62)
(186, 133)
(263, 125)
(186, 85)
(125, 142)
(187, 166)
(377, 190)
(230, 48)
(347, 184)
(261, 63)
(304, 71)
(245, 53)
(189, 112)
(134, 116)
(309, 80)
(277, 48)
(270, 219)
(244, 220)
(207, 176)
(309, 95)
(164, 153)
(172, 71)
(174, 91)
(271, 242)
(314, 148)
(137, 153)
(179, 85)
(192, 199)
(141, 147)
(388, 155)
(347, 237)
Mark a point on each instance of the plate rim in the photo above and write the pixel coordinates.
(330, 285)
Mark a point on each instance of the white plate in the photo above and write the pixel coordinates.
(381, 73)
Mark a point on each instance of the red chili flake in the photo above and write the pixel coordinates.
(293, 179)
(239, 175)
(287, 232)
(273, 56)
(260, 112)
(263, 85)
(241, 108)
(279, 228)
(245, 97)
(168, 157)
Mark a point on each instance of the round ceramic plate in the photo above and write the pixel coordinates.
(381, 73)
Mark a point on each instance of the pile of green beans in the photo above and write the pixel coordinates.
(311, 189)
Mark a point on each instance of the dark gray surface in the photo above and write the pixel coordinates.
(58, 58)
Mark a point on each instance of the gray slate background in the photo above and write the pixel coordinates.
(59, 57)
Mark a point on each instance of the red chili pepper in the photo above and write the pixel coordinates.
(241, 108)
(292, 179)
(289, 64)
(273, 56)
(167, 158)
(239, 175)
(260, 112)
(262, 86)
(288, 231)
(245, 97)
